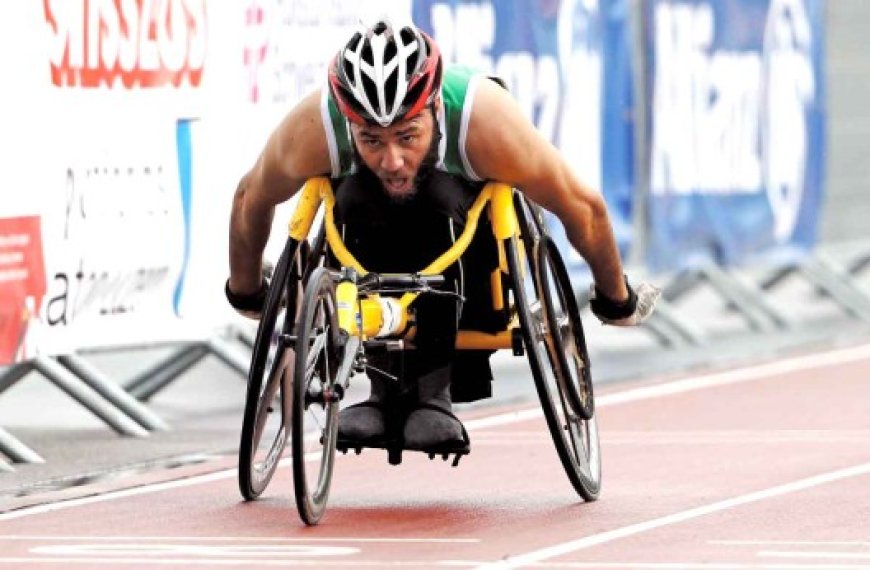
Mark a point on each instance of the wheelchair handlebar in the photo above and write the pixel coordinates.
(409, 281)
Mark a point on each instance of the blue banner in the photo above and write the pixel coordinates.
(736, 93)
(568, 64)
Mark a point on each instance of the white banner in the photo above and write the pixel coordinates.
(127, 125)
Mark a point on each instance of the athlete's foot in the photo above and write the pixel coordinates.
(363, 422)
(434, 427)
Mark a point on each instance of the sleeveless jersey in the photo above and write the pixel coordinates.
(457, 94)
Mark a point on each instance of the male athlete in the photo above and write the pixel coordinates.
(408, 144)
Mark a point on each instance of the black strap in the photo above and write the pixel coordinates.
(609, 309)
(253, 302)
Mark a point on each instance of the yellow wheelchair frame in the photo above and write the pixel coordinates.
(329, 317)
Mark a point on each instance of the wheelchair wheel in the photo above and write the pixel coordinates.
(315, 397)
(265, 426)
(575, 438)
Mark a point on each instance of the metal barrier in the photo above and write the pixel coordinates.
(121, 408)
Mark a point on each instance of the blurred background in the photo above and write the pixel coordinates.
(729, 138)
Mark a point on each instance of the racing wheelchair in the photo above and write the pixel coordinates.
(319, 324)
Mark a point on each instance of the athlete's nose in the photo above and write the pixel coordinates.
(392, 160)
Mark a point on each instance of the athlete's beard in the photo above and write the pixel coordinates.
(423, 172)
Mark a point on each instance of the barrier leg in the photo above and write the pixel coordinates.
(229, 355)
(750, 295)
(673, 330)
(837, 284)
(10, 376)
(77, 389)
(17, 451)
(245, 336)
(858, 265)
(146, 384)
(112, 392)
(759, 314)
(775, 278)
(682, 284)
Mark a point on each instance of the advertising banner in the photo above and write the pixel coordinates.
(90, 155)
(568, 64)
(126, 129)
(737, 107)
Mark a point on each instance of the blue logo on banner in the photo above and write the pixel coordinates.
(183, 145)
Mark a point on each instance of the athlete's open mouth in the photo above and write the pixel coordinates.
(396, 185)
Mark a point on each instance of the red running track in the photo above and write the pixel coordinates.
(760, 467)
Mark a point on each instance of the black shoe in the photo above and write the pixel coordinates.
(434, 429)
(362, 423)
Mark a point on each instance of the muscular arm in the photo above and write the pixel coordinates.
(295, 151)
(503, 145)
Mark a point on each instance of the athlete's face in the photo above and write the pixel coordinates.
(396, 153)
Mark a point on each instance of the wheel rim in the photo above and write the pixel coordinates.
(576, 439)
(315, 406)
(266, 420)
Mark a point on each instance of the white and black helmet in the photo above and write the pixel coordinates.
(385, 73)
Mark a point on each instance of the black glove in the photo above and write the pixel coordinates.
(250, 305)
(607, 309)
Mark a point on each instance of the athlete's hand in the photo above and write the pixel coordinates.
(634, 311)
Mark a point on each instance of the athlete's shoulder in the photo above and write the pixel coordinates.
(299, 143)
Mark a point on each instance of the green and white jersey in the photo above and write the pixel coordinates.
(457, 95)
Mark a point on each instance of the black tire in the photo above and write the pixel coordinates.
(265, 426)
(575, 438)
(315, 397)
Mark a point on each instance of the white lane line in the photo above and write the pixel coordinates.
(697, 565)
(791, 542)
(807, 554)
(320, 563)
(802, 363)
(235, 539)
(701, 566)
(675, 518)
(210, 562)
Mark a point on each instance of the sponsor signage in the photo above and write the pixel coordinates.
(737, 144)
(126, 43)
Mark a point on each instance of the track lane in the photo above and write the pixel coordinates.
(671, 448)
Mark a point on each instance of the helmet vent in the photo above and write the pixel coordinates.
(410, 65)
(407, 36)
(379, 28)
(366, 55)
(390, 51)
(348, 68)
